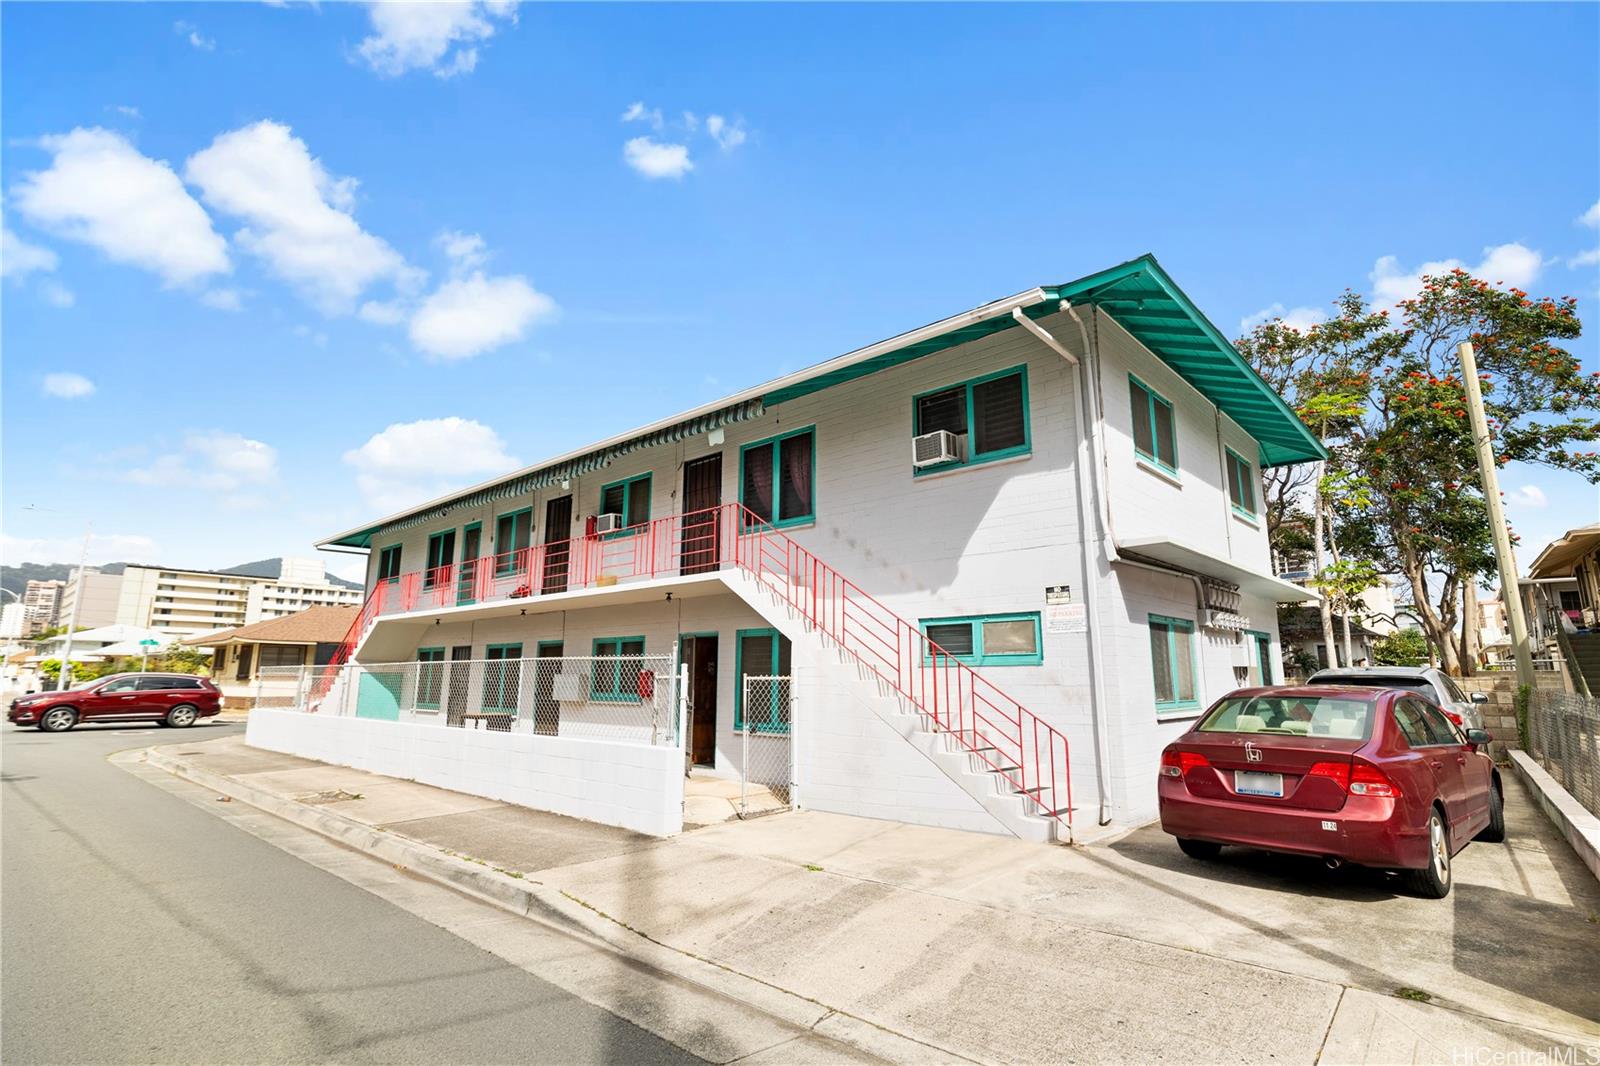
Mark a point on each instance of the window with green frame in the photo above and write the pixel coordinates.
(617, 662)
(986, 640)
(389, 563)
(441, 553)
(1172, 663)
(502, 677)
(513, 532)
(430, 677)
(777, 478)
(761, 653)
(1241, 484)
(990, 413)
(629, 498)
(1154, 430)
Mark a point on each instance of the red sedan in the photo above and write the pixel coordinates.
(1376, 777)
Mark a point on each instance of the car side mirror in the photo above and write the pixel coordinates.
(1479, 697)
(1479, 737)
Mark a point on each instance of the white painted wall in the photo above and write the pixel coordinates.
(634, 786)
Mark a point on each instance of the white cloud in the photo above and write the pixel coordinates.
(1588, 257)
(1298, 318)
(1529, 496)
(466, 251)
(223, 299)
(103, 548)
(409, 462)
(382, 313)
(637, 112)
(215, 459)
(436, 36)
(473, 314)
(728, 135)
(127, 110)
(191, 33)
(298, 215)
(18, 258)
(56, 294)
(1512, 265)
(654, 159)
(101, 191)
(1591, 217)
(65, 385)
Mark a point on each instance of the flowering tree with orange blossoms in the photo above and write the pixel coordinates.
(1384, 390)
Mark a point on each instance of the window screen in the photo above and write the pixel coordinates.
(943, 410)
(953, 637)
(997, 415)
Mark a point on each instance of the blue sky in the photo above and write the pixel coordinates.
(274, 270)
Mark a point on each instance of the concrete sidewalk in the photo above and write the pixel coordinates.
(990, 949)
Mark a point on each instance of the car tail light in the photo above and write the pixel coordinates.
(1368, 780)
(1335, 771)
(1453, 716)
(1176, 763)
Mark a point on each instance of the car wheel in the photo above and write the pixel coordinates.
(1433, 880)
(58, 720)
(1495, 831)
(1199, 849)
(181, 716)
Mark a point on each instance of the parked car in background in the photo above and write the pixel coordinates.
(168, 699)
(1378, 777)
(1428, 681)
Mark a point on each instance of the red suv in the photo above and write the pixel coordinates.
(168, 699)
(1376, 777)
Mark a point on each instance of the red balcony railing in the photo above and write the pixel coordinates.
(1007, 738)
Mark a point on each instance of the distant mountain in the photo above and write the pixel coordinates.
(16, 578)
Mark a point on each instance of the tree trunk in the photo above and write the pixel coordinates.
(1439, 630)
(1344, 616)
(1469, 627)
(1319, 563)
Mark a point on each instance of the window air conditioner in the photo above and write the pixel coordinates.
(933, 449)
(607, 523)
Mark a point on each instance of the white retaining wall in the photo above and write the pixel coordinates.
(634, 786)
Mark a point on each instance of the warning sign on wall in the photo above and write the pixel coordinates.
(1066, 618)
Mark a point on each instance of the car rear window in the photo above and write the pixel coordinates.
(1317, 716)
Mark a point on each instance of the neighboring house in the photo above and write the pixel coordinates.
(102, 642)
(943, 527)
(98, 592)
(1562, 593)
(186, 603)
(310, 637)
(1300, 629)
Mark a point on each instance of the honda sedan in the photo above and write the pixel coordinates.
(1376, 777)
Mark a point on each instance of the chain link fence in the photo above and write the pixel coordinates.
(766, 751)
(630, 698)
(1564, 735)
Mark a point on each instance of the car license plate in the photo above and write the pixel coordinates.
(1255, 783)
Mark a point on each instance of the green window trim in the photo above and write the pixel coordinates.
(1154, 401)
(496, 682)
(436, 556)
(774, 444)
(630, 521)
(505, 558)
(430, 677)
(772, 669)
(1174, 626)
(389, 565)
(1262, 645)
(973, 458)
(1240, 473)
(614, 684)
(980, 656)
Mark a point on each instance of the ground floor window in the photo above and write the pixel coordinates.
(1172, 662)
(615, 678)
(986, 640)
(283, 655)
(761, 653)
(502, 677)
(430, 676)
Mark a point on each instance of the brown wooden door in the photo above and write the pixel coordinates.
(702, 660)
(558, 544)
(702, 498)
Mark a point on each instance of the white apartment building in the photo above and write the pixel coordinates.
(1000, 561)
(42, 600)
(13, 620)
(99, 593)
(186, 602)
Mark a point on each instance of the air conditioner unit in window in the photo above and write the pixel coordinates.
(607, 523)
(933, 449)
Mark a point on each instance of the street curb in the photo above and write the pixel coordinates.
(551, 907)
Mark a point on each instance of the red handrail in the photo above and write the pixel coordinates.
(1024, 750)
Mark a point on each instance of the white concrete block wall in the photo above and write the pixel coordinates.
(629, 785)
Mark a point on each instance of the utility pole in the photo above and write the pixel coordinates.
(64, 681)
(1510, 592)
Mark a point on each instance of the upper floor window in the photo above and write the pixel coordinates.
(989, 415)
(512, 533)
(1241, 484)
(1154, 434)
(629, 498)
(389, 563)
(777, 476)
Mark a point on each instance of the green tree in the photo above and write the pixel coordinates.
(1403, 647)
(1385, 392)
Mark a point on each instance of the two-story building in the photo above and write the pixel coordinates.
(1001, 560)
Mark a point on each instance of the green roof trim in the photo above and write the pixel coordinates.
(1151, 307)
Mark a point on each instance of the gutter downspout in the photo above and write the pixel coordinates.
(1088, 504)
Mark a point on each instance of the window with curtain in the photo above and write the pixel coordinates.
(1241, 484)
(389, 563)
(1172, 663)
(991, 412)
(776, 478)
(513, 533)
(1153, 426)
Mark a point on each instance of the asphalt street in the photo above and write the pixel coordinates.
(140, 928)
